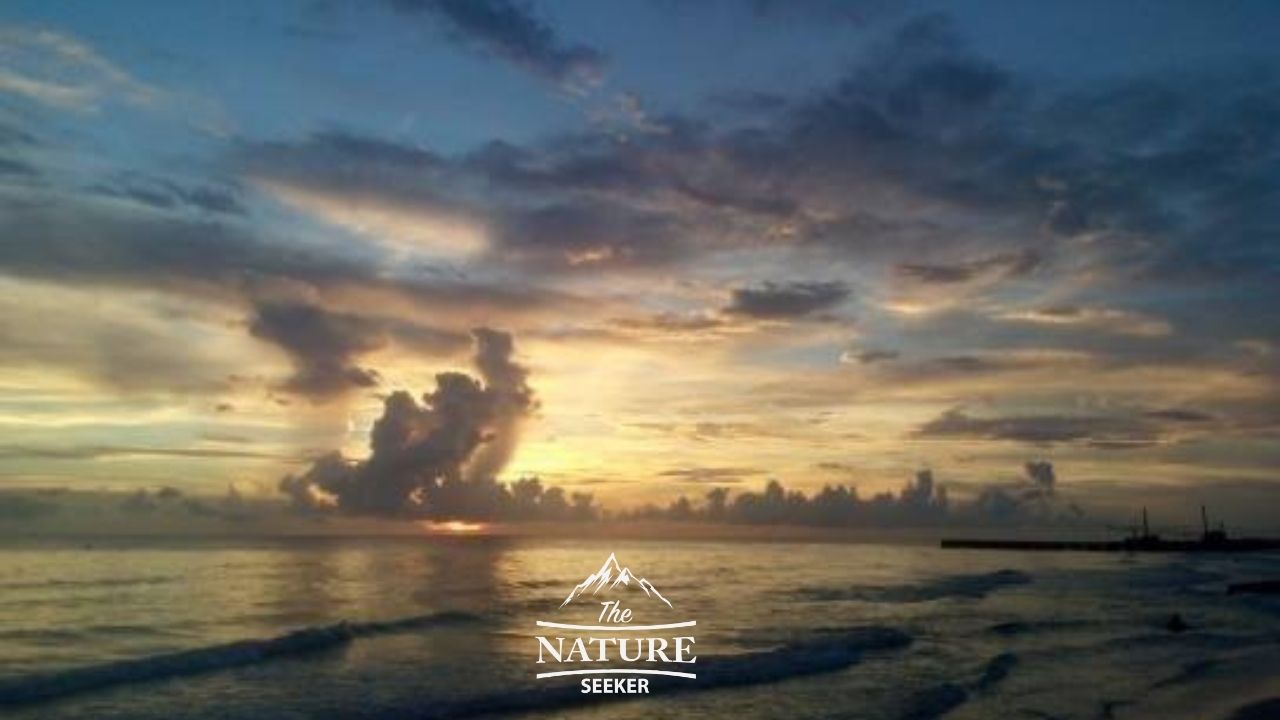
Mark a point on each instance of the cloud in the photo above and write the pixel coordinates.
(409, 196)
(393, 193)
(1040, 472)
(1097, 430)
(1032, 498)
(166, 194)
(587, 235)
(210, 266)
(61, 71)
(1109, 320)
(436, 459)
(868, 357)
(1180, 415)
(773, 301)
(710, 474)
(127, 344)
(324, 344)
(922, 501)
(510, 31)
(924, 149)
(24, 509)
(975, 364)
(994, 267)
(321, 344)
(926, 168)
(17, 168)
(695, 326)
(108, 452)
(919, 503)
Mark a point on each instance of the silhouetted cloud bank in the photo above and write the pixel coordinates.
(922, 501)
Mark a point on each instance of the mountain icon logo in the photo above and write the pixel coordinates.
(610, 576)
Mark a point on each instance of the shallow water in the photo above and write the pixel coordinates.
(154, 629)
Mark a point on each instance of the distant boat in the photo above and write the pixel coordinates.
(1209, 541)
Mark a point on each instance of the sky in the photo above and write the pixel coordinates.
(641, 249)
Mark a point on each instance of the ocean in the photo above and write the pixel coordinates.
(435, 628)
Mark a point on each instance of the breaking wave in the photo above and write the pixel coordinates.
(950, 586)
(59, 684)
(796, 659)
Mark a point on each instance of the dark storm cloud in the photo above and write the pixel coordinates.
(323, 346)
(510, 31)
(438, 458)
(771, 300)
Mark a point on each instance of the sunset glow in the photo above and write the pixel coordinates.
(897, 245)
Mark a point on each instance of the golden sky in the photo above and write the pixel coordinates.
(943, 244)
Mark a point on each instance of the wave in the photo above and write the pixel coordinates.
(112, 582)
(792, 660)
(950, 586)
(63, 683)
(50, 635)
(1031, 627)
(936, 701)
(997, 669)
(1189, 673)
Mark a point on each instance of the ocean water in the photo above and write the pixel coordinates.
(427, 628)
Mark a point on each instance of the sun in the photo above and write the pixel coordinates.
(454, 527)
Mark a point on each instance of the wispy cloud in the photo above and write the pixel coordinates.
(1110, 320)
(59, 70)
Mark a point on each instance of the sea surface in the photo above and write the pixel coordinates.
(431, 628)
